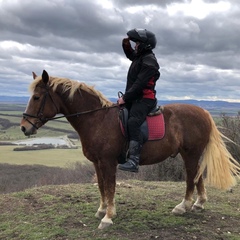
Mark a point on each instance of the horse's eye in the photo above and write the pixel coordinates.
(36, 97)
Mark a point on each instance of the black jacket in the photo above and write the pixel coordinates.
(142, 75)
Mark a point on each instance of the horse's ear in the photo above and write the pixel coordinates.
(45, 77)
(34, 75)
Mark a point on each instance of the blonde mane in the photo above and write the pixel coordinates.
(72, 86)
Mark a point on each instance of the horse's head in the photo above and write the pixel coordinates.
(41, 106)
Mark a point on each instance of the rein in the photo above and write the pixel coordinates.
(68, 115)
(80, 113)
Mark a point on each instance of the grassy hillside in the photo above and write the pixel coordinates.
(144, 212)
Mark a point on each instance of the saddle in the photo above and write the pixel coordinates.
(153, 128)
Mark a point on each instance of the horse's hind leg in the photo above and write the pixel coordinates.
(191, 166)
(202, 195)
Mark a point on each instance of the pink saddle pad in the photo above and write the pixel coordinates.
(156, 127)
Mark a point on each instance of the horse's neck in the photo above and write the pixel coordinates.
(81, 103)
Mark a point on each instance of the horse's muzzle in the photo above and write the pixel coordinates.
(28, 129)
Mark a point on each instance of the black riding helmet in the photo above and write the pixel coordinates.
(146, 38)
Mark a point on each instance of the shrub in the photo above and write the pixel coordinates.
(19, 177)
(172, 169)
(230, 127)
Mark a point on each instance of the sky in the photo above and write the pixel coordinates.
(198, 44)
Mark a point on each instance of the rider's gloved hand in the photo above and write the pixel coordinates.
(126, 41)
(120, 101)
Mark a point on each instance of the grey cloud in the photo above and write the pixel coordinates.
(128, 3)
(81, 40)
(50, 23)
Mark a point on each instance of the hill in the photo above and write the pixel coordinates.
(67, 212)
(13, 99)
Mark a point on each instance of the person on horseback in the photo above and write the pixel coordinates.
(140, 95)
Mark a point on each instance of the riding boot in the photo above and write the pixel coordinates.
(133, 160)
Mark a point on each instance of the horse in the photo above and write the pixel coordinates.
(189, 130)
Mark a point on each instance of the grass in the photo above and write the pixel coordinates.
(11, 116)
(144, 212)
(50, 158)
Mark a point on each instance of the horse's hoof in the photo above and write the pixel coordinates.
(178, 211)
(100, 214)
(105, 223)
(197, 208)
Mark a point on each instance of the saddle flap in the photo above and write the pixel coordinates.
(123, 117)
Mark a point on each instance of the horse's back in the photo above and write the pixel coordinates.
(186, 113)
(190, 124)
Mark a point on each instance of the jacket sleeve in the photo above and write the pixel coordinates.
(128, 50)
(148, 71)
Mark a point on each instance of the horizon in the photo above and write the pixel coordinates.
(115, 98)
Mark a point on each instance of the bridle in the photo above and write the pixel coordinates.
(39, 115)
(43, 120)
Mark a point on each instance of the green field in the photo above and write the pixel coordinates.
(50, 157)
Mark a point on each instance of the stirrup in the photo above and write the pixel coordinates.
(129, 166)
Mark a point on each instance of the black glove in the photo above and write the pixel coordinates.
(126, 41)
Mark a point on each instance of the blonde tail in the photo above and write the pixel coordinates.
(222, 168)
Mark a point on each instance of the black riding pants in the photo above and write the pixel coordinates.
(138, 110)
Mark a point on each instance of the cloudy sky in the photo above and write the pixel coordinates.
(198, 44)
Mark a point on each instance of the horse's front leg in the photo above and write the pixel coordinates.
(103, 202)
(106, 174)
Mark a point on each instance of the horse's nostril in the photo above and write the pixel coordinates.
(23, 129)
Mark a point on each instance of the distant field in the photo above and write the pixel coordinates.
(51, 158)
(16, 117)
(12, 107)
(10, 117)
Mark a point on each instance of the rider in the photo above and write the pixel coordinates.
(140, 94)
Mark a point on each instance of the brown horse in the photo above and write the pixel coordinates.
(190, 131)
